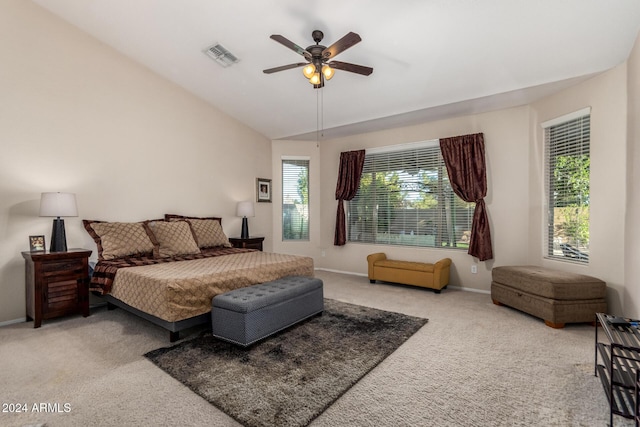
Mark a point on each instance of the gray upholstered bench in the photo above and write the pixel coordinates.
(557, 297)
(246, 315)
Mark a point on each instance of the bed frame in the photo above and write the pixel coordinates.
(174, 328)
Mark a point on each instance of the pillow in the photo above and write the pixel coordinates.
(208, 230)
(173, 217)
(209, 233)
(172, 238)
(119, 239)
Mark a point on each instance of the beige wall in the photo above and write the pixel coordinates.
(506, 140)
(632, 231)
(515, 198)
(77, 116)
(606, 95)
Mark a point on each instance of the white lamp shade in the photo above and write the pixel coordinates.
(245, 209)
(58, 204)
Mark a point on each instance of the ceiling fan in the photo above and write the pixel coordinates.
(318, 68)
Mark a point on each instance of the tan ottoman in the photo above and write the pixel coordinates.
(555, 296)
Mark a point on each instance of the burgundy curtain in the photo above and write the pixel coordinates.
(351, 163)
(464, 158)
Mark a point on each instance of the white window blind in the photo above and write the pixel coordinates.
(567, 166)
(295, 199)
(405, 199)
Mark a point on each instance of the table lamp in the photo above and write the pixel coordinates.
(58, 205)
(245, 209)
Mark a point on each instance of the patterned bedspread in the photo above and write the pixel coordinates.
(179, 290)
(105, 270)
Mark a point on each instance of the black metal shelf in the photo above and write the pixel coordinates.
(621, 399)
(620, 365)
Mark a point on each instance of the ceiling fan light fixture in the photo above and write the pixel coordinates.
(328, 72)
(309, 70)
(315, 79)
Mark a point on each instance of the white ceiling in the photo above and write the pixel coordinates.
(431, 58)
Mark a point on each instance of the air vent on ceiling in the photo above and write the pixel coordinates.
(221, 55)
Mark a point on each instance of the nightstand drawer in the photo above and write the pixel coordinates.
(71, 265)
(247, 242)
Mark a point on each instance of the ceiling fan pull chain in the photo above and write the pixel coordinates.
(318, 118)
(321, 113)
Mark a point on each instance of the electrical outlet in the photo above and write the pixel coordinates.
(474, 269)
(324, 253)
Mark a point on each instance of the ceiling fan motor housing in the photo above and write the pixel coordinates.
(316, 55)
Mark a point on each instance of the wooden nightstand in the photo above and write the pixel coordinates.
(248, 243)
(57, 284)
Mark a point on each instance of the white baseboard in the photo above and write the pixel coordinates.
(462, 288)
(11, 322)
(479, 291)
(341, 272)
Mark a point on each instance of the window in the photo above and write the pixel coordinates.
(567, 164)
(405, 199)
(295, 199)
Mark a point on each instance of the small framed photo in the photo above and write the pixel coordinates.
(36, 243)
(263, 190)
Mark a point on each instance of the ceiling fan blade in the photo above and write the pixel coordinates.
(354, 68)
(284, 67)
(341, 45)
(291, 45)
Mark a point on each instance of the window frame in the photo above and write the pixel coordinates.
(446, 235)
(565, 252)
(304, 236)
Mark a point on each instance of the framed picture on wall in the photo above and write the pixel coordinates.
(263, 190)
(36, 243)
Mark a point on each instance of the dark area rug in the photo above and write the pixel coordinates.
(292, 377)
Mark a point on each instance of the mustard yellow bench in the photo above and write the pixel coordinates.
(426, 275)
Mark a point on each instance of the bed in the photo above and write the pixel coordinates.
(167, 271)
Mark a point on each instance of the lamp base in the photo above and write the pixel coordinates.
(245, 228)
(58, 236)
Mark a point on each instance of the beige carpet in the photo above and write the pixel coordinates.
(473, 364)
